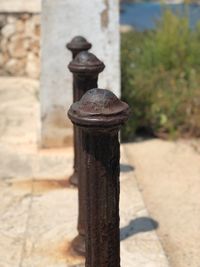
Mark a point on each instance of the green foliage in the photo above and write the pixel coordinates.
(161, 78)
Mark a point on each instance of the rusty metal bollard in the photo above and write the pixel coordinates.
(77, 45)
(99, 114)
(85, 68)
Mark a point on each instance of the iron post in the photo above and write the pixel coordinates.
(99, 114)
(85, 68)
(77, 45)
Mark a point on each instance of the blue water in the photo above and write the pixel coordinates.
(143, 16)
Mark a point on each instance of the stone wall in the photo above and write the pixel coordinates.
(20, 44)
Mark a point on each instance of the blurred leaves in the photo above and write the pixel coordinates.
(161, 78)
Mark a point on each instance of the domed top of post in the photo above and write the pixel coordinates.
(78, 44)
(99, 108)
(85, 63)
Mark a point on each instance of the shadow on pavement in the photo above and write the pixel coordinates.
(139, 225)
(126, 168)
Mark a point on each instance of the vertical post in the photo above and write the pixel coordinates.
(85, 68)
(77, 45)
(100, 114)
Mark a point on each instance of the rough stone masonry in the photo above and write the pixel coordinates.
(97, 20)
(20, 38)
(20, 45)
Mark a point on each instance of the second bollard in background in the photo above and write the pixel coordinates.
(85, 68)
(99, 114)
(78, 44)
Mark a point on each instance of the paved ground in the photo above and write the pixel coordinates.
(38, 208)
(168, 175)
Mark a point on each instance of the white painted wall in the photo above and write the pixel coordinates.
(98, 21)
(32, 6)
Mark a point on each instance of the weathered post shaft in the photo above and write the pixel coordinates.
(85, 68)
(77, 45)
(99, 114)
(83, 84)
(102, 238)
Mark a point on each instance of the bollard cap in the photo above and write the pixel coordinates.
(99, 108)
(85, 63)
(79, 43)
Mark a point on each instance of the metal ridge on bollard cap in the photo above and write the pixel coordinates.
(99, 107)
(86, 62)
(77, 44)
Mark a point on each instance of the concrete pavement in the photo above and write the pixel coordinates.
(168, 175)
(38, 208)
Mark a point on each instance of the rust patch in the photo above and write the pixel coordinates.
(105, 15)
(57, 252)
(71, 256)
(63, 252)
(42, 185)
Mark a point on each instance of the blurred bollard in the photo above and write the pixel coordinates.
(85, 68)
(99, 115)
(77, 45)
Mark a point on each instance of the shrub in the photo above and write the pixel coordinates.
(161, 78)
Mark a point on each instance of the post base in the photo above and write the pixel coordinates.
(73, 179)
(78, 245)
